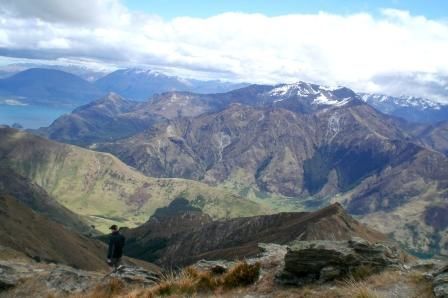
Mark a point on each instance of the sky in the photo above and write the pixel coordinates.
(201, 9)
(387, 46)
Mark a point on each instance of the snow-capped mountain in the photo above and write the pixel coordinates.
(411, 108)
(317, 95)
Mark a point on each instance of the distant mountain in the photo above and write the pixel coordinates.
(413, 109)
(102, 189)
(139, 84)
(184, 237)
(109, 118)
(48, 87)
(86, 73)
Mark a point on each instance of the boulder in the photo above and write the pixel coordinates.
(323, 260)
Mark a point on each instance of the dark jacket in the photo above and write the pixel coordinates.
(116, 244)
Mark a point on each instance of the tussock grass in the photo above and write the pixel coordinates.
(191, 281)
(110, 289)
(357, 289)
(362, 272)
(242, 274)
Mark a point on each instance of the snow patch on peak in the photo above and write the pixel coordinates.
(147, 72)
(322, 99)
(320, 95)
(299, 89)
(402, 101)
(330, 88)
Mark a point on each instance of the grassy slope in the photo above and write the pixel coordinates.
(105, 190)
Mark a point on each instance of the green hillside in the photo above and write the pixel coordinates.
(105, 190)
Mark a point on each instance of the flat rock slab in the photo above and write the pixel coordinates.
(322, 260)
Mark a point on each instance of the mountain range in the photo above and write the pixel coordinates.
(289, 147)
(73, 86)
(54, 87)
(267, 147)
(410, 108)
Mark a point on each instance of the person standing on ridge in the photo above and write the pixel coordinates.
(115, 251)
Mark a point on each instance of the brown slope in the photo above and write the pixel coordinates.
(31, 233)
(187, 237)
(24, 231)
(36, 198)
(434, 136)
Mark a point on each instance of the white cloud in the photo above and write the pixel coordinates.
(79, 12)
(354, 50)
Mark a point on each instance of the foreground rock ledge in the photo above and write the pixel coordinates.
(322, 260)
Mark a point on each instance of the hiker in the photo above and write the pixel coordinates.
(115, 251)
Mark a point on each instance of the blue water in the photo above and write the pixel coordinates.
(31, 116)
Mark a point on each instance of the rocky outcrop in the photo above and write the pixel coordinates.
(321, 261)
(11, 275)
(17, 279)
(440, 283)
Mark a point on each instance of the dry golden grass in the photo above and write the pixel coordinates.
(362, 272)
(242, 274)
(191, 282)
(358, 289)
(112, 288)
(423, 286)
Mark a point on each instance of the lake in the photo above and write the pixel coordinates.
(31, 116)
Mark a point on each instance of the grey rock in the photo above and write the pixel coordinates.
(12, 273)
(135, 276)
(215, 266)
(310, 261)
(69, 280)
(427, 265)
(440, 282)
(329, 273)
(440, 285)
